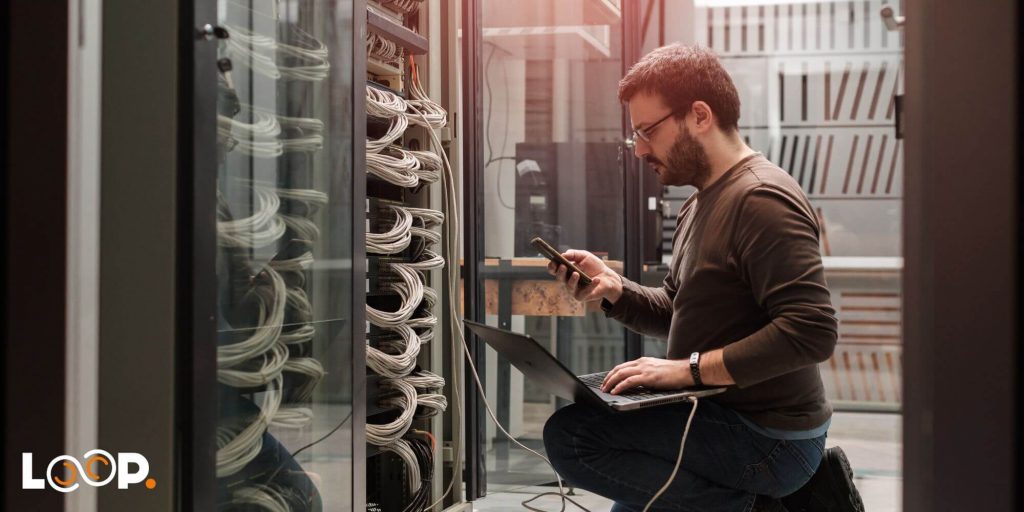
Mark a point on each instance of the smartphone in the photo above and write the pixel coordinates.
(555, 256)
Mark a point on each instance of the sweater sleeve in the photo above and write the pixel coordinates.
(777, 252)
(644, 309)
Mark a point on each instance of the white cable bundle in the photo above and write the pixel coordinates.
(396, 239)
(405, 452)
(270, 368)
(384, 104)
(312, 200)
(271, 301)
(430, 296)
(398, 170)
(431, 260)
(250, 49)
(303, 144)
(291, 417)
(264, 227)
(304, 125)
(298, 302)
(430, 218)
(427, 324)
(395, 130)
(432, 237)
(429, 166)
(309, 136)
(317, 67)
(434, 403)
(404, 6)
(422, 110)
(258, 138)
(236, 450)
(388, 433)
(395, 365)
(308, 367)
(258, 52)
(425, 380)
(296, 336)
(297, 264)
(410, 289)
(304, 229)
(262, 496)
(384, 49)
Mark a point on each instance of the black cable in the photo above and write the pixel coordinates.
(570, 500)
(425, 459)
(335, 429)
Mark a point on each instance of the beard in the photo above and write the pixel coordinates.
(687, 162)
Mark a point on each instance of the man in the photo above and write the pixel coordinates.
(745, 293)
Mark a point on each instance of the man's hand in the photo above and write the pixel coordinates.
(649, 372)
(605, 282)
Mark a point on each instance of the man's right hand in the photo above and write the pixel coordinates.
(605, 282)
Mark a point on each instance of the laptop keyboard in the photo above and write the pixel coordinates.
(594, 380)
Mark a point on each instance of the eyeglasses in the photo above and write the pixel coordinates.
(644, 134)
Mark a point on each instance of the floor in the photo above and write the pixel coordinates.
(872, 441)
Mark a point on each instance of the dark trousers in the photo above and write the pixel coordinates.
(628, 456)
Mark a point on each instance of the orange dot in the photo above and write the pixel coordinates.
(150, 483)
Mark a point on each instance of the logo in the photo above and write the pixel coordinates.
(65, 473)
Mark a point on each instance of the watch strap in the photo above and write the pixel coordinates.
(695, 368)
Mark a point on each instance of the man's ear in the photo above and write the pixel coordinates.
(702, 116)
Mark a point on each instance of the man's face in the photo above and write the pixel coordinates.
(672, 152)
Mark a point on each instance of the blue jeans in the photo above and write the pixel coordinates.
(628, 456)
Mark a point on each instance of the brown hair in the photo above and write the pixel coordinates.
(682, 75)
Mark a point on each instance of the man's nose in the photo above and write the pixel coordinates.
(640, 148)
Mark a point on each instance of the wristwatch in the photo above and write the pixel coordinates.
(695, 368)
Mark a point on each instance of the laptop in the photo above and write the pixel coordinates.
(538, 365)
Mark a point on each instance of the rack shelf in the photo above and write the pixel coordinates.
(412, 42)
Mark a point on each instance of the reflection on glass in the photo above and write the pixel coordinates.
(284, 257)
(552, 138)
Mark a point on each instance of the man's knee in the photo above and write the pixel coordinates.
(560, 428)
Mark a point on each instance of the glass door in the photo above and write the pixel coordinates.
(819, 84)
(552, 167)
(285, 327)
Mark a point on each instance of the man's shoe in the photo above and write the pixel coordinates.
(767, 504)
(831, 488)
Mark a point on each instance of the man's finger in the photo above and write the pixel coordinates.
(574, 256)
(572, 283)
(629, 383)
(560, 272)
(619, 369)
(621, 374)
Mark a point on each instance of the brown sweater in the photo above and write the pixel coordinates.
(746, 275)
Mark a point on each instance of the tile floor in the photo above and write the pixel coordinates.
(872, 442)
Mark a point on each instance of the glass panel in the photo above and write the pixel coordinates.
(817, 82)
(552, 169)
(284, 255)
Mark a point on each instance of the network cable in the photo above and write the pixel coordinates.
(395, 365)
(388, 433)
(262, 228)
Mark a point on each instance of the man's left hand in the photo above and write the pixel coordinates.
(649, 372)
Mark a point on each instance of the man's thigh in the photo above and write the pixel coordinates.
(719, 446)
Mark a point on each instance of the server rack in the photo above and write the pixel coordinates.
(284, 292)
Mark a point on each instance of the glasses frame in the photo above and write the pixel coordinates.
(644, 134)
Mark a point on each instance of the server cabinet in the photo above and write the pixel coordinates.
(276, 347)
(315, 255)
